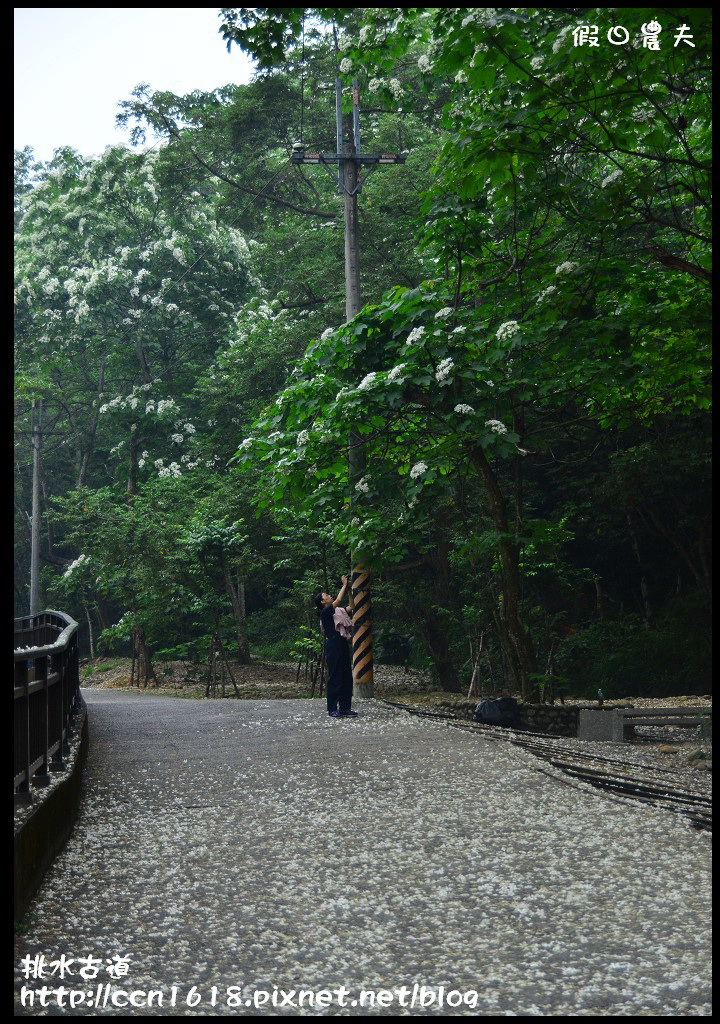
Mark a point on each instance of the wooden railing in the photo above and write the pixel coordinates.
(47, 697)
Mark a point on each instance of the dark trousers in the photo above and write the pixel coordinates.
(340, 680)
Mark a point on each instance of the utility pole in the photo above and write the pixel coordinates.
(35, 524)
(350, 160)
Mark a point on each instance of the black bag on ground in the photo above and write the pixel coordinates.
(500, 711)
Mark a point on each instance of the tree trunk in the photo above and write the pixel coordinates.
(85, 457)
(435, 636)
(35, 536)
(237, 597)
(144, 659)
(133, 460)
(522, 652)
(91, 636)
(599, 604)
(643, 582)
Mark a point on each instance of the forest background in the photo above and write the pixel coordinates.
(527, 383)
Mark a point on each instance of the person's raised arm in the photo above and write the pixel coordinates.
(341, 593)
(351, 604)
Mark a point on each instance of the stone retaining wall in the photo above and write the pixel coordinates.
(556, 719)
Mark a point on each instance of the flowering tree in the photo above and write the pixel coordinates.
(549, 326)
(124, 292)
(554, 205)
(431, 406)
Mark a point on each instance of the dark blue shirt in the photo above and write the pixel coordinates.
(327, 621)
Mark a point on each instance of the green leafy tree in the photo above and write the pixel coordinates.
(554, 317)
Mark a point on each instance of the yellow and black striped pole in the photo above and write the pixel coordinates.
(362, 655)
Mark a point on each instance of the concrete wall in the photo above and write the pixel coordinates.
(43, 828)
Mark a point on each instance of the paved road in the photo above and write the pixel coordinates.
(264, 845)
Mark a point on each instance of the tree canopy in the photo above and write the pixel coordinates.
(528, 381)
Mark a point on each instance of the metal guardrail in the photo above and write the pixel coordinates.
(683, 716)
(47, 697)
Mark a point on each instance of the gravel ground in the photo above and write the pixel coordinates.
(259, 679)
(261, 844)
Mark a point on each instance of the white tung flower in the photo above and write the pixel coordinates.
(461, 77)
(177, 438)
(395, 88)
(444, 369)
(548, 291)
(415, 334)
(566, 268)
(496, 426)
(467, 409)
(443, 314)
(73, 565)
(425, 64)
(613, 176)
(166, 405)
(362, 485)
(418, 469)
(507, 330)
(396, 371)
(557, 45)
(366, 381)
(346, 66)
(302, 439)
(247, 443)
(326, 333)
